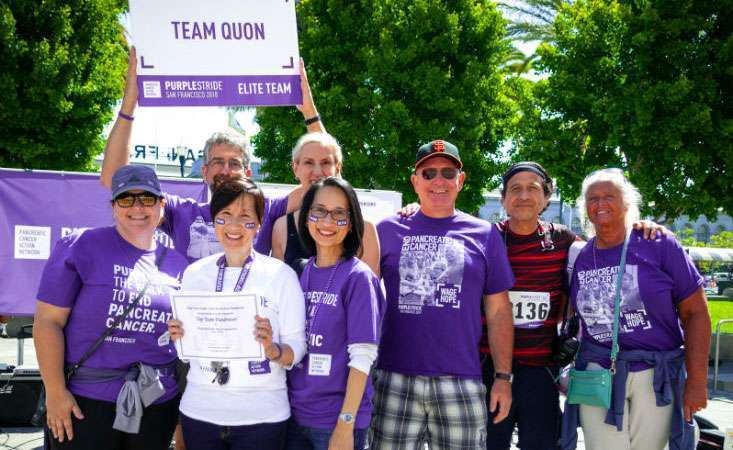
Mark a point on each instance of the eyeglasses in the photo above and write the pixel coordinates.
(219, 163)
(127, 199)
(230, 220)
(222, 373)
(339, 215)
(449, 173)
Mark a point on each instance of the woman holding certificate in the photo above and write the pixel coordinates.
(330, 391)
(242, 403)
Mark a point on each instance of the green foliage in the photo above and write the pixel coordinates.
(723, 239)
(687, 238)
(62, 71)
(389, 75)
(644, 85)
(532, 20)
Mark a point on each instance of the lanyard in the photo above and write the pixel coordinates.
(222, 263)
(313, 307)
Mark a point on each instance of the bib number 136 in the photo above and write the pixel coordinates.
(530, 308)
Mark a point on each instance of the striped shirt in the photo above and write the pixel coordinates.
(536, 269)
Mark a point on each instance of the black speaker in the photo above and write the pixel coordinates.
(19, 391)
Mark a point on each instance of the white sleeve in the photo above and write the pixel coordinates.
(362, 356)
(291, 313)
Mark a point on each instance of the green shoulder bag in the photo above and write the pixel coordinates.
(593, 387)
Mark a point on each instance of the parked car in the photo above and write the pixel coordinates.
(722, 276)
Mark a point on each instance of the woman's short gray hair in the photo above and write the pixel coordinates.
(629, 194)
(321, 138)
(228, 138)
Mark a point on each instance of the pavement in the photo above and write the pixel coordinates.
(719, 410)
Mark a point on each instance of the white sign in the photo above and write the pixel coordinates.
(216, 325)
(32, 242)
(216, 53)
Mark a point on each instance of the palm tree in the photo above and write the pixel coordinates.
(517, 62)
(531, 20)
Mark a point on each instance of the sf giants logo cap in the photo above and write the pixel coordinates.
(438, 148)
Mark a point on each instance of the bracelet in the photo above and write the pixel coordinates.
(125, 116)
(279, 352)
(313, 119)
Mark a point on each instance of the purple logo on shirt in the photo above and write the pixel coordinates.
(259, 367)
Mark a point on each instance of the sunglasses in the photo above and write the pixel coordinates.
(222, 373)
(448, 173)
(127, 199)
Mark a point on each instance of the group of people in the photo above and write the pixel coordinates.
(455, 353)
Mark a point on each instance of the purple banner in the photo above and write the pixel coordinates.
(266, 90)
(38, 208)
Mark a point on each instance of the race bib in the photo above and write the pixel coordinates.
(530, 308)
(319, 364)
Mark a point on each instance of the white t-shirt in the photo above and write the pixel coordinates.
(250, 396)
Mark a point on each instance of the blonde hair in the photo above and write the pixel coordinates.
(318, 137)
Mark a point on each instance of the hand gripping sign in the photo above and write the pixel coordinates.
(216, 52)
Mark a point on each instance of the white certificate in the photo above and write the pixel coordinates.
(217, 325)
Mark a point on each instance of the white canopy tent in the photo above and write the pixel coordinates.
(710, 254)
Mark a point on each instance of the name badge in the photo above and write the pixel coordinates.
(319, 365)
(530, 308)
(259, 367)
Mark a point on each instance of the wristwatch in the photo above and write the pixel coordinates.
(504, 376)
(347, 418)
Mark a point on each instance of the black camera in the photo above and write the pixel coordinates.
(566, 345)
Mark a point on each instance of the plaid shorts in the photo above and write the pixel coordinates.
(446, 412)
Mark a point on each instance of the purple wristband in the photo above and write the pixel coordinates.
(125, 116)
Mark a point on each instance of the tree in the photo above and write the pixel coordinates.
(532, 20)
(63, 65)
(389, 75)
(643, 85)
(724, 239)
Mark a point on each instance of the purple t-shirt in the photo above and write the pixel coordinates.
(658, 276)
(340, 313)
(96, 273)
(436, 272)
(189, 224)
